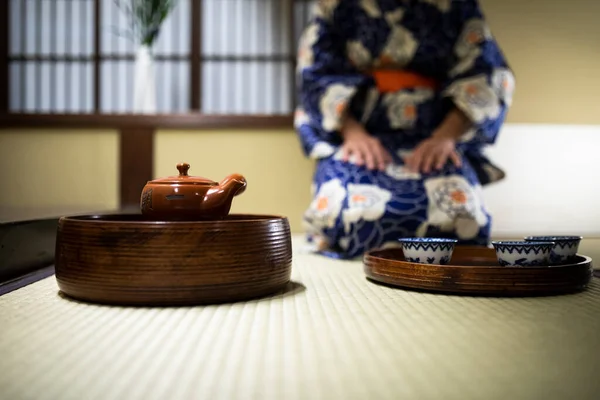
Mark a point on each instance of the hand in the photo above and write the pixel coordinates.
(433, 153)
(365, 148)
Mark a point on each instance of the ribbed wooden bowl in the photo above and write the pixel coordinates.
(128, 260)
(475, 271)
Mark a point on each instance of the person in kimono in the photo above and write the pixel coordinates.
(397, 100)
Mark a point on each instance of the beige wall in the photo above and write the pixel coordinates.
(79, 168)
(55, 168)
(278, 175)
(554, 48)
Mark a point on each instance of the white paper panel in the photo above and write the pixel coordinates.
(256, 30)
(246, 88)
(51, 27)
(48, 28)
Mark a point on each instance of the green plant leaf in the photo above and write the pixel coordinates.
(146, 17)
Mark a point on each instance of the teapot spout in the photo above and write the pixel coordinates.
(221, 196)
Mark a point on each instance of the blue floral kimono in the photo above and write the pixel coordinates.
(448, 41)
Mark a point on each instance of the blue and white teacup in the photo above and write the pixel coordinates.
(564, 250)
(428, 250)
(523, 254)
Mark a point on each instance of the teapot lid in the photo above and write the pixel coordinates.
(184, 179)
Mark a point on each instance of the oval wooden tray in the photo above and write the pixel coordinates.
(475, 271)
(128, 260)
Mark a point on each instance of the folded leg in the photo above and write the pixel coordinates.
(355, 210)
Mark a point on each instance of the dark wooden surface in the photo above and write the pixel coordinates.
(28, 240)
(27, 214)
(157, 121)
(136, 164)
(73, 58)
(97, 54)
(128, 260)
(4, 70)
(195, 54)
(293, 49)
(475, 271)
(26, 279)
(26, 246)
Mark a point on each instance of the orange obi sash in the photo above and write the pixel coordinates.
(391, 80)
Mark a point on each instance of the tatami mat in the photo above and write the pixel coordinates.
(333, 335)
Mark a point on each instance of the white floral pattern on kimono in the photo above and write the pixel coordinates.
(402, 106)
(300, 118)
(442, 5)
(454, 206)
(339, 156)
(468, 136)
(476, 98)
(324, 9)
(393, 170)
(393, 17)
(468, 45)
(321, 150)
(366, 202)
(371, 98)
(358, 54)
(503, 82)
(400, 172)
(399, 49)
(371, 8)
(334, 103)
(327, 204)
(305, 47)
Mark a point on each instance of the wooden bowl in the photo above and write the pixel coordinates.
(131, 260)
(475, 271)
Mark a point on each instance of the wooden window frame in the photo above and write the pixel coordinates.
(136, 132)
(194, 119)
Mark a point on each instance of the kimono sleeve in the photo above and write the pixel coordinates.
(326, 81)
(479, 81)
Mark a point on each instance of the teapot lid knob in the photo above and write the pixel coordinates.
(183, 169)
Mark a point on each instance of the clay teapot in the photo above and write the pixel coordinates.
(187, 197)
